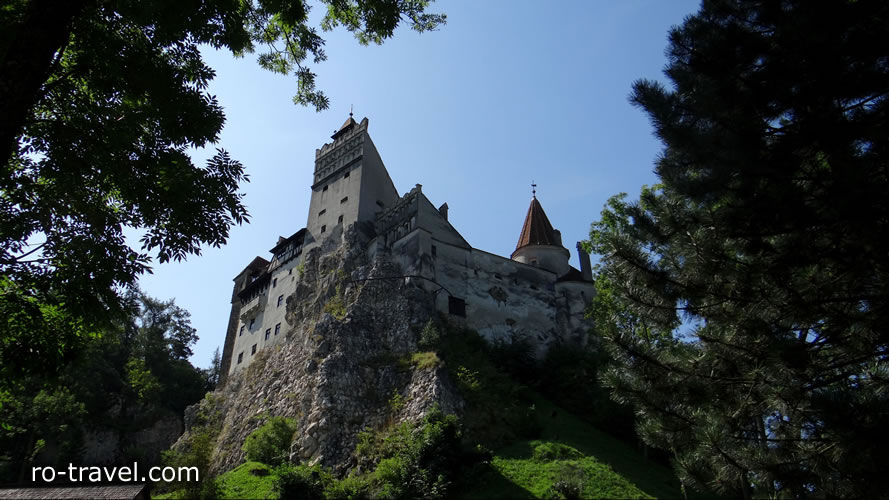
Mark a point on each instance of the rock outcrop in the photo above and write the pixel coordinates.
(107, 446)
(345, 365)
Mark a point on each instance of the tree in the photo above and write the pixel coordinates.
(745, 297)
(100, 101)
(121, 380)
(211, 374)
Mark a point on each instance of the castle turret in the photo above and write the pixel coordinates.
(539, 244)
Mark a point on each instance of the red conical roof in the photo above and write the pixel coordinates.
(537, 229)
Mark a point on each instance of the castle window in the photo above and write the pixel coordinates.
(290, 271)
(252, 322)
(346, 175)
(268, 333)
(280, 300)
(242, 331)
(240, 357)
(339, 219)
(456, 307)
(322, 212)
(344, 199)
(274, 282)
(278, 328)
(323, 228)
(253, 350)
(433, 250)
(324, 188)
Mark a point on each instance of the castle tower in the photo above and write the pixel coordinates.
(350, 183)
(539, 244)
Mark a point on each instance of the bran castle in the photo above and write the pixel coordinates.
(535, 294)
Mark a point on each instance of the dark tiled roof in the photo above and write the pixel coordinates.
(120, 491)
(537, 229)
(298, 236)
(572, 275)
(347, 126)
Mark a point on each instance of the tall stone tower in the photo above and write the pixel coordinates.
(350, 184)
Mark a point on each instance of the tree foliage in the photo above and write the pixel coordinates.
(100, 102)
(745, 297)
(121, 379)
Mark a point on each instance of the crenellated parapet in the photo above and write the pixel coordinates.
(401, 218)
(347, 147)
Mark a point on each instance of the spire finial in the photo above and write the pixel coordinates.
(350, 111)
(533, 190)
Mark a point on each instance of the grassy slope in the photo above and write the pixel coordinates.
(243, 482)
(612, 469)
(248, 480)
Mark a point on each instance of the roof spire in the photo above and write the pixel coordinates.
(537, 229)
(533, 189)
(348, 125)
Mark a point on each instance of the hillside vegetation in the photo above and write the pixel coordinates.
(540, 449)
(571, 456)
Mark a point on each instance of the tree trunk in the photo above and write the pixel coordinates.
(26, 61)
(26, 460)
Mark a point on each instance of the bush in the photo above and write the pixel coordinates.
(302, 482)
(197, 453)
(270, 444)
(570, 378)
(430, 336)
(414, 461)
(350, 487)
(570, 484)
(515, 358)
(547, 452)
(497, 407)
(425, 360)
(527, 425)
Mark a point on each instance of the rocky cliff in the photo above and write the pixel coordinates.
(344, 366)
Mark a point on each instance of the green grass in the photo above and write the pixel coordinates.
(425, 360)
(596, 480)
(570, 449)
(248, 480)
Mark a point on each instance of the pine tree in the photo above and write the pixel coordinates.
(745, 297)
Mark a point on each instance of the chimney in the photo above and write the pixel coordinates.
(443, 210)
(557, 236)
(586, 270)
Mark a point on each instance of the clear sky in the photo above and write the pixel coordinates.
(507, 92)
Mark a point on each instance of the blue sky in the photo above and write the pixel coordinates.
(506, 93)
